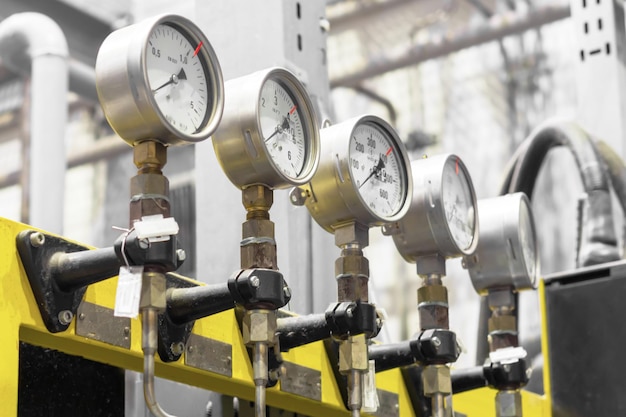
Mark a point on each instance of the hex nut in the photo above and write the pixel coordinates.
(156, 184)
(356, 265)
(259, 326)
(353, 354)
(436, 380)
(502, 323)
(149, 152)
(257, 197)
(508, 404)
(352, 233)
(152, 291)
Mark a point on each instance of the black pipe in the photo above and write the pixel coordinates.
(188, 304)
(75, 270)
(468, 379)
(302, 330)
(391, 355)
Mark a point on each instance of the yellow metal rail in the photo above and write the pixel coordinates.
(21, 321)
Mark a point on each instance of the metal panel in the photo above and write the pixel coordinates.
(601, 73)
(210, 355)
(98, 323)
(300, 380)
(585, 314)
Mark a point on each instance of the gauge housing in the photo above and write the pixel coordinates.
(506, 255)
(239, 142)
(333, 198)
(125, 93)
(425, 229)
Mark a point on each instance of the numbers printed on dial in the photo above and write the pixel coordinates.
(377, 170)
(177, 78)
(282, 130)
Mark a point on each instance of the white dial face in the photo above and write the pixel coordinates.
(528, 242)
(282, 129)
(177, 77)
(378, 170)
(458, 204)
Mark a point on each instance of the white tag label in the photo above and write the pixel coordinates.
(128, 292)
(370, 396)
(507, 355)
(156, 228)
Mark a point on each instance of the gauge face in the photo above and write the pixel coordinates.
(458, 204)
(377, 169)
(528, 241)
(282, 129)
(177, 77)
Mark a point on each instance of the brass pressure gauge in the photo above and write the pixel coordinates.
(160, 80)
(443, 218)
(269, 132)
(506, 255)
(364, 175)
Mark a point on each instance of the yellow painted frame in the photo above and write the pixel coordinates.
(21, 321)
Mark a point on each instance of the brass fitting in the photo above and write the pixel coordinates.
(352, 273)
(152, 291)
(353, 354)
(259, 326)
(352, 234)
(432, 293)
(150, 156)
(509, 404)
(257, 199)
(436, 380)
(258, 248)
(502, 323)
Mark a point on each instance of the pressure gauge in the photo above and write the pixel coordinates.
(269, 132)
(443, 218)
(160, 80)
(506, 255)
(363, 175)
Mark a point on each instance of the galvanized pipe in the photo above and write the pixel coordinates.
(188, 304)
(33, 45)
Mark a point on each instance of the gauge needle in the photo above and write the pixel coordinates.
(380, 165)
(174, 78)
(284, 125)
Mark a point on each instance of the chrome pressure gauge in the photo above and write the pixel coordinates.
(506, 255)
(269, 132)
(443, 218)
(363, 175)
(160, 80)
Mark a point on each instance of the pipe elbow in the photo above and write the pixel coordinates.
(27, 36)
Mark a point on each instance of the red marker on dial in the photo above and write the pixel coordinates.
(197, 49)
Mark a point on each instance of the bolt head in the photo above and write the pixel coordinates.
(287, 292)
(65, 317)
(255, 281)
(181, 255)
(37, 239)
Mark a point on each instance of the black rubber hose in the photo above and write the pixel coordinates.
(188, 304)
(521, 175)
(302, 330)
(75, 270)
(468, 379)
(391, 355)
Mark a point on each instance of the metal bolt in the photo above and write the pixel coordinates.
(81, 316)
(144, 243)
(190, 349)
(126, 330)
(435, 341)
(177, 348)
(65, 317)
(37, 239)
(287, 292)
(255, 281)
(350, 312)
(181, 255)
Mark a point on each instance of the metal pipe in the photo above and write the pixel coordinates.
(355, 391)
(499, 27)
(74, 270)
(149, 339)
(260, 370)
(468, 379)
(391, 355)
(438, 405)
(302, 330)
(33, 45)
(188, 304)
